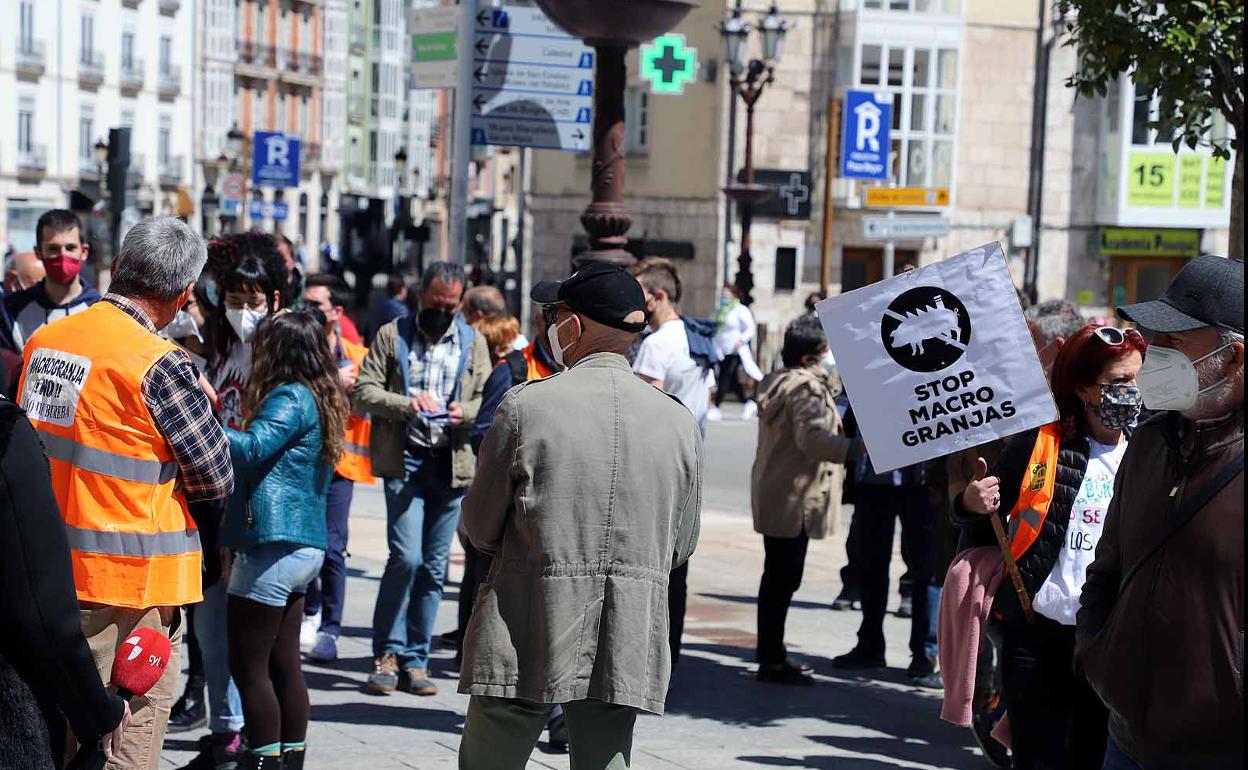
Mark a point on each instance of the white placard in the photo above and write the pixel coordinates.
(937, 359)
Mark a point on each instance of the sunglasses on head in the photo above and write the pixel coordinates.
(1113, 336)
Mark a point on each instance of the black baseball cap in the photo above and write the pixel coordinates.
(1208, 291)
(600, 291)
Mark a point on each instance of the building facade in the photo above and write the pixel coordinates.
(70, 71)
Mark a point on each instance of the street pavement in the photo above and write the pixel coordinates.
(719, 717)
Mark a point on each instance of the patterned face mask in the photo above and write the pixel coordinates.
(1119, 407)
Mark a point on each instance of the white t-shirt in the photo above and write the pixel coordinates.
(1058, 598)
(664, 355)
(738, 327)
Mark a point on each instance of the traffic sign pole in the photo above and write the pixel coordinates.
(890, 249)
(462, 147)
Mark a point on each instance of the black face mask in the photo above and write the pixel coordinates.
(434, 322)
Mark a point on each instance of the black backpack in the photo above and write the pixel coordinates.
(519, 367)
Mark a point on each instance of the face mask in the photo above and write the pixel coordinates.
(556, 350)
(1168, 379)
(1119, 407)
(181, 326)
(434, 322)
(244, 322)
(62, 269)
(828, 362)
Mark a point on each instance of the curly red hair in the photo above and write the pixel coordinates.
(1079, 363)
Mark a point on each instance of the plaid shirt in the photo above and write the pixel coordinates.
(184, 417)
(432, 368)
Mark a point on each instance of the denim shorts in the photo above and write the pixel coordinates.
(270, 573)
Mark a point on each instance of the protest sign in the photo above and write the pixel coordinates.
(937, 359)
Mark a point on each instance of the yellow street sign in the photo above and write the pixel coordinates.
(907, 196)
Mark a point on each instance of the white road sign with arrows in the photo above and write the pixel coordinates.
(532, 82)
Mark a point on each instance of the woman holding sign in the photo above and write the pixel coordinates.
(1052, 487)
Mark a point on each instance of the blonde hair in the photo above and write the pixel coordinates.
(500, 333)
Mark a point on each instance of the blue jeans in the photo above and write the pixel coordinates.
(1115, 759)
(328, 593)
(225, 709)
(270, 573)
(422, 512)
(933, 620)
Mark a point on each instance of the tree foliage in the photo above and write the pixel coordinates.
(1189, 52)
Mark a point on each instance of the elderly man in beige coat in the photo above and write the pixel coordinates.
(588, 494)
(796, 483)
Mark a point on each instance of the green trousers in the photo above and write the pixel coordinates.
(500, 733)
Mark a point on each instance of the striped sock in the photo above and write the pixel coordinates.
(268, 750)
(296, 746)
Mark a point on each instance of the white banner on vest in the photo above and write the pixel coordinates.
(937, 359)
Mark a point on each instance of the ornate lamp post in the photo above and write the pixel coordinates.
(611, 28)
(758, 74)
(400, 208)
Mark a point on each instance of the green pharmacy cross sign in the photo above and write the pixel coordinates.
(668, 64)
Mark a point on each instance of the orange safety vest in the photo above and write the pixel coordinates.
(536, 369)
(132, 540)
(355, 463)
(1036, 493)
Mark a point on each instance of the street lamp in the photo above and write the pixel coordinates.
(758, 74)
(399, 250)
(234, 142)
(611, 28)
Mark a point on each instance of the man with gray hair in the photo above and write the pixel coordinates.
(1160, 630)
(1051, 324)
(131, 439)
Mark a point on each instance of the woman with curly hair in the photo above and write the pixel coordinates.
(1052, 487)
(283, 459)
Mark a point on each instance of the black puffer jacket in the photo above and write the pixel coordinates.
(1036, 564)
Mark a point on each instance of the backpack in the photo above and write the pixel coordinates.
(700, 333)
(519, 367)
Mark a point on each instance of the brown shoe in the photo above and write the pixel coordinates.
(417, 682)
(385, 676)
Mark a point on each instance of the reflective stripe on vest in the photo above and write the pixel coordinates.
(145, 545)
(356, 464)
(107, 463)
(355, 449)
(1036, 492)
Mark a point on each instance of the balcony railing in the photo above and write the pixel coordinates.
(132, 74)
(91, 68)
(359, 40)
(32, 160)
(170, 7)
(309, 154)
(31, 57)
(131, 3)
(257, 55)
(304, 62)
(171, 170)
(169, 82)
(357, 107)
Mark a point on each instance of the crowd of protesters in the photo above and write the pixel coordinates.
(207, 419)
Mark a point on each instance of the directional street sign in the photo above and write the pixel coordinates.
(275, 159)
(906, 196)
(435, 59)
(901, 228)
(532, 82)
(668, 64)
(864, 153)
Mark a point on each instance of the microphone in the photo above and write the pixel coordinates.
(138, 665)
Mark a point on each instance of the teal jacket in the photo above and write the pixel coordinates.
(280, 479)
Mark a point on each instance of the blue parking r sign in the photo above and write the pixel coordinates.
(864, 149)
(275, 159)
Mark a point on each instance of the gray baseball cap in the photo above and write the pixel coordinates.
(1208, 291)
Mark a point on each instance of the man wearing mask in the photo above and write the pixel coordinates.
(422, 383)
(590, 495)
(1160, 631)
(61, 293)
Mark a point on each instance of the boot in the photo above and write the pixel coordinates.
(293, 760)
(250, 761)
(190, 712)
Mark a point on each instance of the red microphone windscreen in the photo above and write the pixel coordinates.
(141, 660)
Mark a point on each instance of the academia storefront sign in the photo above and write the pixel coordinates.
(1145, 242)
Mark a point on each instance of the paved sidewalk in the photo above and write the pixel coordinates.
(719, 717)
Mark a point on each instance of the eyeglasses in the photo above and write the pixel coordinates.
(1113, 336)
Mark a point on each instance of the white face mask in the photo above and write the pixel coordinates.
(1168, 380)
(181, 326)
(244, 322)
(828, 362)
(556, 350)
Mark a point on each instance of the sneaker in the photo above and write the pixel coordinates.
(920, 666)
(846, 600)
(749, 411)
(385, 676)
(931, 681)
(714, 414)
(451, 639)
(906, 608)
(190, 712)
(325, 650)
(307, 631)
(784, 673)
(982, 722)
(557, 731)
(218, 751)
(858, 658)
(417, 682)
